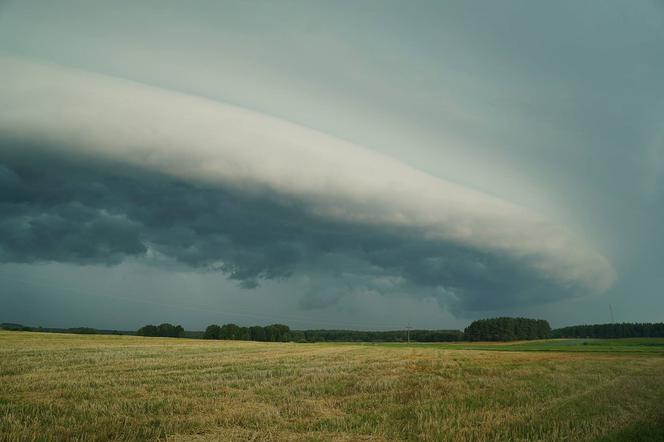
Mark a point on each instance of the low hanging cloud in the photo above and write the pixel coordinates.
(94, 170)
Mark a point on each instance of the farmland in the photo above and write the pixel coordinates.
(60, 387)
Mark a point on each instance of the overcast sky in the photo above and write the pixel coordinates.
(364, 165)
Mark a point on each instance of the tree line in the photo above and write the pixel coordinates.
(377, 336)
(507, 329)
(164, 330)
(74, 330)
(482, 330)
(615, 330)
(494, 329)
(269, 333)
(282, 333)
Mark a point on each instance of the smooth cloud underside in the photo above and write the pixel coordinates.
(94, 170)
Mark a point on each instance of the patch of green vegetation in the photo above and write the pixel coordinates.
(637, 432)
(629, 345)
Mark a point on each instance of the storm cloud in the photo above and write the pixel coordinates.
(95, 170)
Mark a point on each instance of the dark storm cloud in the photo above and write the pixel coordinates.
(86, 212)
(553, 106)
(46, 219)
(96, 170)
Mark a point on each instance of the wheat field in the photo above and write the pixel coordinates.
(57, 387)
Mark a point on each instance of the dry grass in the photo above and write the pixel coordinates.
(71, 387)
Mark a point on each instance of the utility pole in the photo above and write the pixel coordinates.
(611, 312)
(408, 327)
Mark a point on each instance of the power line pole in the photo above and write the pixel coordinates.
(408, 327)
(611, 312)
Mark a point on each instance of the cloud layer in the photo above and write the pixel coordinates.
(95, 169)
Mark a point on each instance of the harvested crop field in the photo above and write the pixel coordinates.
(75, 387)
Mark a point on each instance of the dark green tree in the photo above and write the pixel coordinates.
(212, 332)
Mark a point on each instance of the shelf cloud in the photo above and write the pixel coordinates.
(96, 170)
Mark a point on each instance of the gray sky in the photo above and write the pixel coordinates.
(330, 165)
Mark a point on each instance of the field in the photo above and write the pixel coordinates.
(75, 387)
(628, 345)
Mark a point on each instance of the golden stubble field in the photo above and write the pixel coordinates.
(73, 387)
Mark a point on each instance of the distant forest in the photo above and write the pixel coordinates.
(494, 329)
(75, 330)
(507, 329)
(618, 330)
(280, 332)
(164, 330)
(378, 336)
(269, 333)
